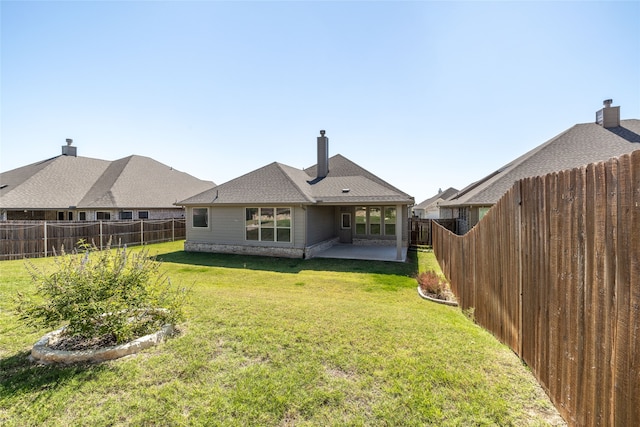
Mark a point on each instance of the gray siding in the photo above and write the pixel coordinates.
(321, 224)
(227, 227)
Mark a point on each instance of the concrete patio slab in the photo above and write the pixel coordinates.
(372, 253)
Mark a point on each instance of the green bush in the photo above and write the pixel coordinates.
(114, 293)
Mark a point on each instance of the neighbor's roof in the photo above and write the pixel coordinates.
(443, 195)
(578, 146)
(275, 183)
(86, 183)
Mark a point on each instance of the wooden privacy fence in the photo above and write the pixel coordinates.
(553, 271)
(32, 239)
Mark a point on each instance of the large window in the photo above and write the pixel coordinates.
(376, 221)
(390, 221)
(126, 215)
(361, 220)
(268, 224)
(201, 217)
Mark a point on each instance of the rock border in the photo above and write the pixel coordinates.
(43, 354)
(439, 301)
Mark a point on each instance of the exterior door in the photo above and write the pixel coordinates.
(346, 235)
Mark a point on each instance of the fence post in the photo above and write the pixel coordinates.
(101, 235)
(44, 224)
(173, 229)
(142, 231)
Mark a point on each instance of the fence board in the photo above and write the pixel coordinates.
(632, 407)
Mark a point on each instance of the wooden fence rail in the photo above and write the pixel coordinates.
(32, 239)
(553, 271)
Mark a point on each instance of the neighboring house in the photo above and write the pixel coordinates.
(430, 209)
(577, 146)
(72, 188)
(279, 210)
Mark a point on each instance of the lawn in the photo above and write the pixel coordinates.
(280, 342)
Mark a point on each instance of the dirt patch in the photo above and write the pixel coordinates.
(74, 343)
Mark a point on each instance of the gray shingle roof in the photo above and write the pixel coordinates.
(64, 181)
(578, 146)
(444, 195)
(277, 184)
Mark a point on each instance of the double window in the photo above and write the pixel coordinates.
(268, 224)
(376, 221)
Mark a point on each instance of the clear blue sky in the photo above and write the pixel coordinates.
(424, 94)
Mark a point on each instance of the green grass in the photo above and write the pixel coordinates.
(280, 342)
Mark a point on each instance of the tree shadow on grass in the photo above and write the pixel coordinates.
(292, 265)
(19, 375)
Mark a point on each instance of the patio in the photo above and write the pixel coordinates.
(372, 253)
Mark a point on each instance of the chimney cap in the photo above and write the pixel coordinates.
(322, 132)
(69, 141)
(607, 103)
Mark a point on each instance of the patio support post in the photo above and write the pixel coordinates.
(399, 231)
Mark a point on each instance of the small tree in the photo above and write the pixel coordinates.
(116, 293)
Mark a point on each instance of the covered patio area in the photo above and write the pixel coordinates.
(364, 252)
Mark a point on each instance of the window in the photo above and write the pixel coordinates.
(82, 216)
(60, 216)
(268, 224)
(70, 216)
(283, 224)
(126, 215)
(201, 217)
(346, 221)
(361, 220)
(482, 212)
(375, 220)
(103, 216)
(390, 221)
(143, 215)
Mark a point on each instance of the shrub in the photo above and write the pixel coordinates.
(431, 283)
(113, 293)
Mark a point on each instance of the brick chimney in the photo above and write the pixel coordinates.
(323, 155)
(608, 117)
(68, 150)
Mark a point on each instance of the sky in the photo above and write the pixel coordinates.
(424, 94)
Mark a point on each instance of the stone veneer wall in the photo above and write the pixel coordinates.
(313, 250)
(377, 242)
(244, 250)
(307, 253)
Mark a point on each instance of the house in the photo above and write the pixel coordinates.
(430, 209)
(579, 145)
(278, 210)
(73, 188)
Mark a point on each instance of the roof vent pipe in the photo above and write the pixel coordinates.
(323, 155)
